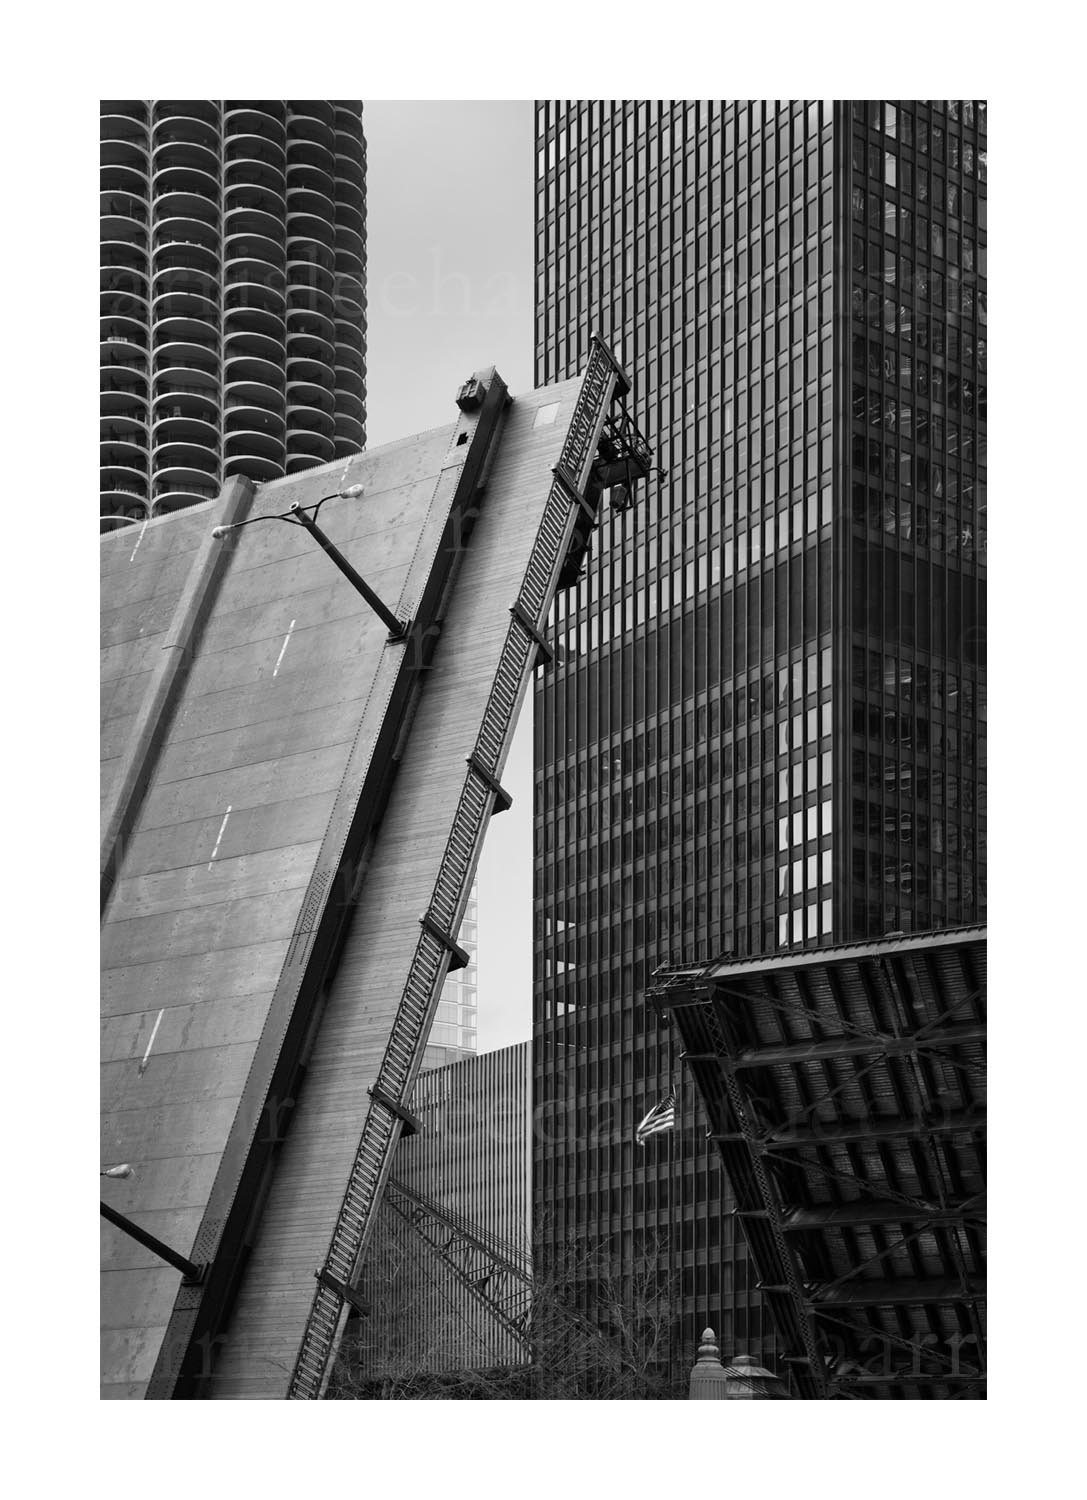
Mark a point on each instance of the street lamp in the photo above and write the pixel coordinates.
(299, 515)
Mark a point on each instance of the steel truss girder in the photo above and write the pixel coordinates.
(961, 1122)
(481, 1266)
(882, 1211)
(853, 1046)
(898, 1292)
(905, 1375)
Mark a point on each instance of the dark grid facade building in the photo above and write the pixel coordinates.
(233, 303)
(765, 725)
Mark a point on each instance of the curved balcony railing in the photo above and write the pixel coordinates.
(246, 415)
(123, 255)
(241, 146)
(348, 360)
(310, 203)
(188, 182)
(189, 206)
(350, 194)
(350, 378)
(186, 380)
(311, 120)
(191, 354)
(305, 449)
(351, 174)
(189, 315)
(257, 177)
(313, 231)
(257, 197)
(350, 301)
(307, 369)
(189, 331)
(305, 344)
(187, 459)
(242, 295)
(312, 262)
(315, 419)
(127, 478)
(349, 264)
(123, 336)
(263, 115)
(260, 249)
(311, 393)
(250, 453)
(263, 436)
(268, 284)
(188, 403)
(125, 423)
(123, 120)
(131, 181)
(314, 306)
(118, 399)
(171, 234)
(125, 280)
(131, 457)
(126, 307)
(206, 110)
(251, 221)
(307, 274)
(117, 373)
(174, 425)
(254, 331)
(313, 177)
(350, 404)
(185, 281)
(120, 507)
(350, 218)
(243, 342)
(350, 242)
(350, 430)
(251, 369)
(181, 155)
(183, 497)
(180, 489)
(311, 151)
(122, 205)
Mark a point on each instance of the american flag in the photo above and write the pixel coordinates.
(661, 1117)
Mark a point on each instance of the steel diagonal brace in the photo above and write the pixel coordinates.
(769, 1198)
(780, 1153)
(474, 1279)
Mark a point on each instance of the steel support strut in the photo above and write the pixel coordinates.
(189, 1269)
(398, 629)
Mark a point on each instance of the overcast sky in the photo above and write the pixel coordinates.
(449, 271)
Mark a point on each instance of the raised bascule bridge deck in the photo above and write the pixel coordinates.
(845, 1090)
(294, 801)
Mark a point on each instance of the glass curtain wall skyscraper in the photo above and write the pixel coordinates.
(765, 725)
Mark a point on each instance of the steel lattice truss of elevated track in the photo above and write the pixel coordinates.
(845, 1089)
(295, 796)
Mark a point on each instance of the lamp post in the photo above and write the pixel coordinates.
(299, 515)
